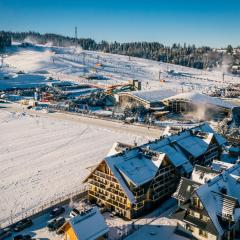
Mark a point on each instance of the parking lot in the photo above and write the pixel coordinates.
(39, 228)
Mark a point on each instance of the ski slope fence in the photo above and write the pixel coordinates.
(34, 212)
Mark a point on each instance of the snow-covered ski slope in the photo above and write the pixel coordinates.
(43, 157)
(74, 64)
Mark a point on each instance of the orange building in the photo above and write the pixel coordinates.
(89, 225)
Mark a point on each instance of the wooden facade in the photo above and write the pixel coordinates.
(117, 183)
(106, 191)
(208, 204)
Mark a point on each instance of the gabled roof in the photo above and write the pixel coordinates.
(139, 165)
(185, 189)
(140, 171)
(136, 165)
(220, 195)
(89, 226)
(202, 174)
(199, 98)
(206, 128)
(188, 141)
(193, 145)
(151, 96)
(219, 166)
(117, 148)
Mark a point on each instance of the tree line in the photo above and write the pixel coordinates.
(5, 40)
(186, 55)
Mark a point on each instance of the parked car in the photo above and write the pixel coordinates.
(22, 237)
(25, 223)
(56, 223)
(74, 213)
(4, 233)
(57, 211)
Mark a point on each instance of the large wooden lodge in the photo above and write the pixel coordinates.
(135, 179)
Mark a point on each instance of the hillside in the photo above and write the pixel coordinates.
(75, 65)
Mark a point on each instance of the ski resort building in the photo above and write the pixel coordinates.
(164, 101)
(209, 203)
(88, 225)
(133, 180)
(193, 101)
(150, 99)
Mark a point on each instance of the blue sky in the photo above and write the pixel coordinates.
(201, 22)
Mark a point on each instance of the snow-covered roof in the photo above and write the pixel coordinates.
(218, 203)
(139, 165)
(140, 172)
(202, 174)
(207, 129)
(117, 147)
(220, 195)
(194, 145)
(199, 98)
(89, 226)
(23, 81)
(195, 141)
(138, 168)
(220, 166)
(135, 165)
(152, 96)
(185, 189)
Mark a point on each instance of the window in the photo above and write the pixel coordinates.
(196, 203)
(203, 233)
(204, 218)
(191, 213)
(189, 228)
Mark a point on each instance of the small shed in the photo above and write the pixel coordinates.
(88, 225)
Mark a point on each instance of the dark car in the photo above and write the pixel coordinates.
(25, 223)
(57, 211)
(56, 223)
(4, 233)
(22, 237)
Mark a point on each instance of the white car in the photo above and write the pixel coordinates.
(74, 213)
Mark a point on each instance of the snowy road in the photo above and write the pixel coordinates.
(110, 125)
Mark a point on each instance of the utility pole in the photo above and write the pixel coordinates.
(159, 75)
(76, 37)
(1, 61)
(84, 64)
